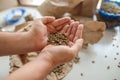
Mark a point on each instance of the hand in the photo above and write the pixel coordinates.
(51, 55)
(60, 54)
(57, 55)
(42, 27)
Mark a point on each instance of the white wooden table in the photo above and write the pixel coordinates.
(99, 61)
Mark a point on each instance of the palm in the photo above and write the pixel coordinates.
(61, 54)
(42, 27)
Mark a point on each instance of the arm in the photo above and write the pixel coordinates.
(11, 43)
(24, 42)
(35, 70)
(46, 61)
(49, 58)
(33, 40)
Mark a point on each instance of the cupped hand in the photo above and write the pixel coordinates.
(57, 55)
(60, 54)
(42, 27)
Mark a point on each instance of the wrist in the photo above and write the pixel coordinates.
(25, 42)
(38, 42)
(46, 62)
(46, 57)
(32, 41)
(16, 43)
(37, 69)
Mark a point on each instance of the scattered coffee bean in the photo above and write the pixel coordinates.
(29, 18)
(115, 58)
(93, 62)
(118, 66)
(105, 56)
(81, 74)
(117, 53)
(113, 45)
(77, 59)
(119, 63)
(117, 46)
(25, 29)
(108, 67)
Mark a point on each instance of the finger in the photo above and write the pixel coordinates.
(81, 30)
(47, 19)
(64, 30)
(77, 46)
(50, 28)
(73, 30)
(71, 21)
(78, 34)
(70, 43)
(61, 21)
(59, 28)
(69, 29)
(71, 37)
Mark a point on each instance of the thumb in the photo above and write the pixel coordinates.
(77, 46)
(47, 19)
